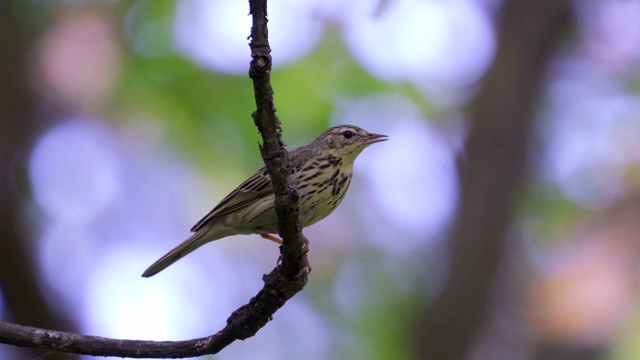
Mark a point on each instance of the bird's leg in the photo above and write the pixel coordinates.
(266, 234)
(272, 238)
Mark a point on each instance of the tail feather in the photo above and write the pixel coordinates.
(195, 241)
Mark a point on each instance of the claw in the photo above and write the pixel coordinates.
(305, 270)
(279, 261)
(305, 247)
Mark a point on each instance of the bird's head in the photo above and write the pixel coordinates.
(347, 140)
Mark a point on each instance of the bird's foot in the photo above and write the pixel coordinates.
(305, 250)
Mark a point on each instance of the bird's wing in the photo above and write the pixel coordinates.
(256, 187)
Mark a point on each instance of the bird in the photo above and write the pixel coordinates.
(321, 171)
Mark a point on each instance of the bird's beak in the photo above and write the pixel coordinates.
(374, 138)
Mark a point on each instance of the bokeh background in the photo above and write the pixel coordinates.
(123, 122)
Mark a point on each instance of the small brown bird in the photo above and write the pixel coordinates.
(322, 172)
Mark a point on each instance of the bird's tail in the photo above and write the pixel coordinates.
(195, 241)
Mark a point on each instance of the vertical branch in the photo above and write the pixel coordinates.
(275, 156)
(501, 119)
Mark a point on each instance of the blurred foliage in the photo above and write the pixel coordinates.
(199, 108)
(548, 215)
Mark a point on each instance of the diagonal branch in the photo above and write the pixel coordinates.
(280, 285)
(242, 324)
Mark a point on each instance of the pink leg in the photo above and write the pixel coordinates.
(272, 238)
(265, 234)
(305, 247)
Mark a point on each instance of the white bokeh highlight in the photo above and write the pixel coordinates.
(590, 135)
(214, 32)
(414, 40)
(74, 170)
(121, 304)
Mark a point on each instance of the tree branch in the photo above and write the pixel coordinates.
(242, 324)
(275, 156)
(280, 285)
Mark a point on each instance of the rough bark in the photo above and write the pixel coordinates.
(275, 156)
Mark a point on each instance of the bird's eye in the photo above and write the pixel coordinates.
(347, 134)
